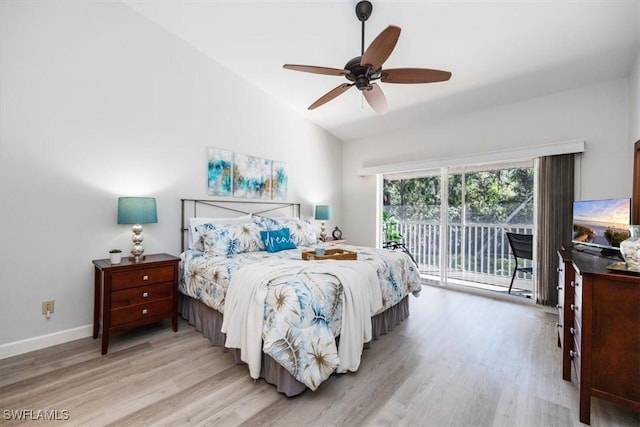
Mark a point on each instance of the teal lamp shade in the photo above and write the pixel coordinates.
(323, 212)
(137, 211)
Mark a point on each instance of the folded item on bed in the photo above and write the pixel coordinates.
(245, 315)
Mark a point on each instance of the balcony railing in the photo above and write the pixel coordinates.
(481, 250)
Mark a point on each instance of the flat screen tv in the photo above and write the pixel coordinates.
(602, 224)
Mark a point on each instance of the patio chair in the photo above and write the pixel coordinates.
(398, 246)
(521, 247)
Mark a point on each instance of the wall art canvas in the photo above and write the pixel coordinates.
(220, 172)
(279, 180)
(251, 177)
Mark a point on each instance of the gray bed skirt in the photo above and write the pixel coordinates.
(209, 321)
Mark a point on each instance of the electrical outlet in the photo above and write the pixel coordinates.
(48, 306)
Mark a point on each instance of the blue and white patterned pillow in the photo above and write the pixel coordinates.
(228, 240)
(215, 240)
(302, 231)
(247, 235)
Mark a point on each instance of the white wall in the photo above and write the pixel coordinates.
(598, 114)
(98, 102)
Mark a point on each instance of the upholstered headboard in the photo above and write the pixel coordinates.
(226, 208)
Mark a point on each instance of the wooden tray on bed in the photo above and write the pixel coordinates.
(337, 253)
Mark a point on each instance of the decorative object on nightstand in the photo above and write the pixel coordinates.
(337, 234)
(323, 213)
(115, 256)
(137, 211)
(134, 293)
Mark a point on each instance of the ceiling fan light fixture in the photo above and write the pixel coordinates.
(363, 10)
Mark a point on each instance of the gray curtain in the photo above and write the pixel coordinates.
(554, 224)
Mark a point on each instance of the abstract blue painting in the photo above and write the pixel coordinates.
(251, 177)
(279, 180)
(219, 172)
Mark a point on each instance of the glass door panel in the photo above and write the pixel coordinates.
(411, 215)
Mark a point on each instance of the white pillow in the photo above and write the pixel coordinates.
(195, 222)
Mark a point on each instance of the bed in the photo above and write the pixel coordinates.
(294, 322)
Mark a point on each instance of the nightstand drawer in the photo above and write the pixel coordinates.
(141, 295)
(134, 313)
(141, 277)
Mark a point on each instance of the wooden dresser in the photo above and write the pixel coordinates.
(599, 330)
(132, 294)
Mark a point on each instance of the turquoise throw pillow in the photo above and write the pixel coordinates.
(277, 240)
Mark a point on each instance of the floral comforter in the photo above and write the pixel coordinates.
(302, 313)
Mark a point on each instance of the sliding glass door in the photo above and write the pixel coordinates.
(411, 215)
(454, 221)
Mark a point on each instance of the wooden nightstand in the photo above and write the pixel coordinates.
(131, 294)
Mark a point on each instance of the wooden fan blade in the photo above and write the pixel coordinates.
(375, 97)
(414, 75)
(317, 70)
(381, 47)
(330, 95)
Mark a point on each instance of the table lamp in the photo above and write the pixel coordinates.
(137, 211)
(323, 213)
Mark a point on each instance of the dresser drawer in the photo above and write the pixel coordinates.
(141, 277)
(576, 334)
(577, 288)
(575, 359)
(141, 294)
(135, 313)
(576, 308)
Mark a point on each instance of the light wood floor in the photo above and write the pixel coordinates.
(458, 360)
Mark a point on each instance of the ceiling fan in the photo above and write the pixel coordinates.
(362, 71)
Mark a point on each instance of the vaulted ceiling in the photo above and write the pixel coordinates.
(499, 52)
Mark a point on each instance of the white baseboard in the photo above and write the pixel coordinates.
(24, 346)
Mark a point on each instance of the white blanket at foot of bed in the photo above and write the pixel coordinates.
(245, 299)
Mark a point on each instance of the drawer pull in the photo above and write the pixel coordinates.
(145, 277)
(558, 306)
(572, 354)
(558, 288)
(572, 331)
(573, 284)
(574, 307)
(144, 311)
(145, 294)
(559, 270)
(558, 325)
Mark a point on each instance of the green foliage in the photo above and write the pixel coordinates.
(390, 227)
(115, 251)
(495, 197)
